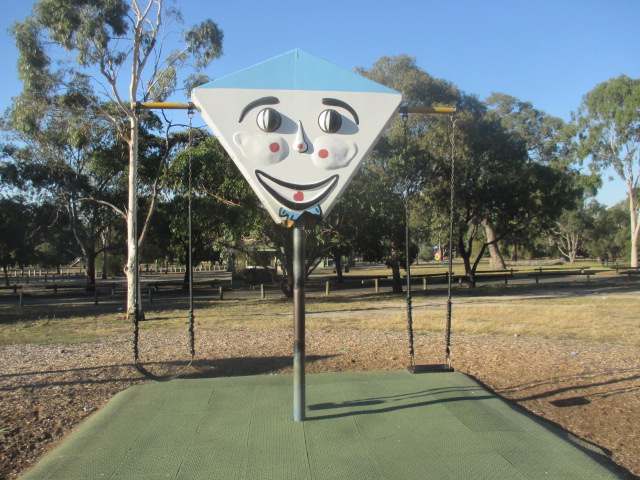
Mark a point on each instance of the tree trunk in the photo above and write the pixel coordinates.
(496, 262)
(286, 282)
(514, 253)
(104, 264)
(187, 270)
(337, 260)
(104, 254)
(6, 275)
(635, 229)
(466, 259)
(132, 214)
(394, 263)
(90, 256)
(568, 246)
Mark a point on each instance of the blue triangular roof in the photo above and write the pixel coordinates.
(298, 70)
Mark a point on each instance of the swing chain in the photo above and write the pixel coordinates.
(451, 212)
(138, 366)
(192, 348)
(405, 117)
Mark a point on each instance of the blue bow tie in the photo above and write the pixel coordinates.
(293, 216)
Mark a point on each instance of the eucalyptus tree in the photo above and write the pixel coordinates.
(57, 163)
(117, 48)
(15, 244)
(607, 127)
(498, 190)
(402, 162)
(542, 133)
(609, 236)
(572, 231)
(223, 205)
(547, 147)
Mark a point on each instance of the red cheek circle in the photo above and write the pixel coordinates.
(323, 153)
(274, 147)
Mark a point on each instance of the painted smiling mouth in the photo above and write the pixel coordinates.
(295, 196)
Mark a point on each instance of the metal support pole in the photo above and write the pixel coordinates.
(298, 322)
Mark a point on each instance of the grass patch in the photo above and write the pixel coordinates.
(607, 317)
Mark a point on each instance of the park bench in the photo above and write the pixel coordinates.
(622, 269)
(495, 275)
(364, 279)
(562, 273)
(177, 283)
(15, 288)
(629, 271)
(110, 287)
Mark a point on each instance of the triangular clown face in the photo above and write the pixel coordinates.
(298, 128)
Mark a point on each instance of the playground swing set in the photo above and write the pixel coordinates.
(299, 198)
(412, 367)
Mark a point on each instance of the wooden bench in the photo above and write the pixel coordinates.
(176, 283)
(15, 288)
(111, 287)
(562, 273)
(630, 271)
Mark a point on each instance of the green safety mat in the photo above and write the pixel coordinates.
(368, 425)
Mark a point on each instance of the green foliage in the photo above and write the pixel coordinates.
(109, 38)
(608, 237)
(205, 42)
(541, 133)
(608, 132)
(84, 26)
(403, 162)
(609, 123)
(14, 234)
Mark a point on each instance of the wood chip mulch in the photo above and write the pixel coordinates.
(590, 389)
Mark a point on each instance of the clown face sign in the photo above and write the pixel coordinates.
(298, 128)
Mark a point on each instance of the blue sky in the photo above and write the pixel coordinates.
(548, 52)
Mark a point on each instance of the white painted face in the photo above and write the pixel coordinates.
(297, 160)
(297, 148)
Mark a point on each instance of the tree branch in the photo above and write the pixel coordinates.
(104, 202)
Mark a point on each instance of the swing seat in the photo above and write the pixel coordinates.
(430, 368)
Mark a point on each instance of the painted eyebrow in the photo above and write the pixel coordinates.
(334, 102)
(257, 103)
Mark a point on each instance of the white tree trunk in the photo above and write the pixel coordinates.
(568, 245)
(635, 227)
(132, 216)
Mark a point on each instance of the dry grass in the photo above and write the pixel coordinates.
(610, 317)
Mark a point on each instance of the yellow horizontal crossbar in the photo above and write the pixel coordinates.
(165, 106)
(191, 106)
(430, 110)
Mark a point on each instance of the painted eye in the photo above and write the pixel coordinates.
(330, 121)
(268, 120)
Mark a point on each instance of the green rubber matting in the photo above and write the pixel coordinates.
(370, 425)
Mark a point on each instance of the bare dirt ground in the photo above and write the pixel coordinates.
(590, 389)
